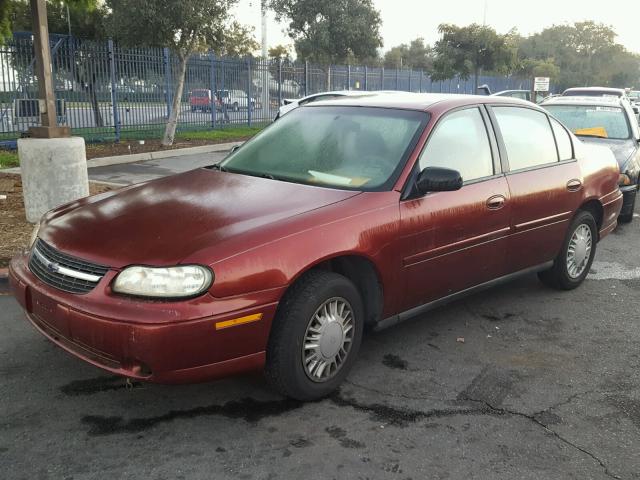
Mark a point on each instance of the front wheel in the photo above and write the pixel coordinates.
(572, 264)
(315, 336)
(236, 107)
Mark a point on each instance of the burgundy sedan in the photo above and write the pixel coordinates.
(342, 215)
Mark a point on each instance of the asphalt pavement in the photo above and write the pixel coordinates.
(519, 382)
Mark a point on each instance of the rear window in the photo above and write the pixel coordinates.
(200, 93)
(593, 121)
(590, 93)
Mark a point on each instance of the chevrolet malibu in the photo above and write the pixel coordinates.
(343, 215)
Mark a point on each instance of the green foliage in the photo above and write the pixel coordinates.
(416, 55)
(280, 52)
(225, 134)
(8, 159)
(87, 17)
(331, 31)
(469, 50)
(585, 53)
(186, 26)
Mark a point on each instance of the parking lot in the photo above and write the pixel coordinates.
(518, 382)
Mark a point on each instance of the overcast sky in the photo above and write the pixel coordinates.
(404, 20)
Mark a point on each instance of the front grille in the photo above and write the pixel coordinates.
(63, 271)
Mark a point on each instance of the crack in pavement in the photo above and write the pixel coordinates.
(532, 418)
(399, 418)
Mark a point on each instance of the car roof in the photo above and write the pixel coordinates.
(416, 101)
(586, 100)
(609, 90)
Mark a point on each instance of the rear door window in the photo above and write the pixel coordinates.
(527, 137)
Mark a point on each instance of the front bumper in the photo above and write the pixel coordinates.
(164, 342)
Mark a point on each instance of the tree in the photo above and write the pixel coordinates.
(331, 31)
(415, 55)
(86, 20)
(280, 52)
(185, 26)
(469, 50)
(585, 53)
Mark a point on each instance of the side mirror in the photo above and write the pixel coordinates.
(437, 179)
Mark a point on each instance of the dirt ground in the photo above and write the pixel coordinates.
(14, 228)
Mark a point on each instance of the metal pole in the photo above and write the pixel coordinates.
(167, 76)
(44, 73)
(279, 82)
(114, 96)
(249, 91)
(397, 80)
(421, 76)
(381, 78)
(306, 78)
(410, 74)
(366, 75)
(212, 56)
(348, 77)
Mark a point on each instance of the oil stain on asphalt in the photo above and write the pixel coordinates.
(394, 361)
(92, 386)
(248, 409)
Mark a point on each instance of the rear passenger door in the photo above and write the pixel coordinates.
(544, 180)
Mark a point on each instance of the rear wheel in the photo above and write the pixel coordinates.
(572, 264)
(315, 336)
(235, 107)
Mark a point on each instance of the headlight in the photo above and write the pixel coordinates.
(165, 282)
(624, 180)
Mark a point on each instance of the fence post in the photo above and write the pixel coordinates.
(397, 80)
(381, 78)
(114, 96)
(366, 83)
(348, 77)
(213, 89)
(328, 77)
(167, 75)
(279, 82)
(410, 74)
(421, 75)
(249, 83)
(306, 78)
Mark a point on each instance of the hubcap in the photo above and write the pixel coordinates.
(328, 339)
(579, 251)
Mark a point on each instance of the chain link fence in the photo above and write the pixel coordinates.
(107, 92)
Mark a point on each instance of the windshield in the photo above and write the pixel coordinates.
(591, 93)
(597, 121)
(344, 147)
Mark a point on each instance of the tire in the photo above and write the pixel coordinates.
(298, 314)
(628, 217)
(236, 108)
(559, 276)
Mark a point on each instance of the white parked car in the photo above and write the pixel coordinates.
(292, 104)
(235, 99)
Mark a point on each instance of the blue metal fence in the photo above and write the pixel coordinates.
(111, 91)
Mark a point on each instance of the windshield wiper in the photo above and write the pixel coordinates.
(217, 166)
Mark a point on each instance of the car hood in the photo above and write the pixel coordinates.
(164, 221)
(623, 150)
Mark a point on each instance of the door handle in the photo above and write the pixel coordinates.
(496, 202)
(574, 185)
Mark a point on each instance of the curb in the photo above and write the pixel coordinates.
(146, 156)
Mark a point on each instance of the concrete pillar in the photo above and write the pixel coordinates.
(54, 171)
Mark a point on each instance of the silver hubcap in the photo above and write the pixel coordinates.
(328, 339)
(579, 251)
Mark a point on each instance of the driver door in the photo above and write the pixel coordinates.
(455, 240)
